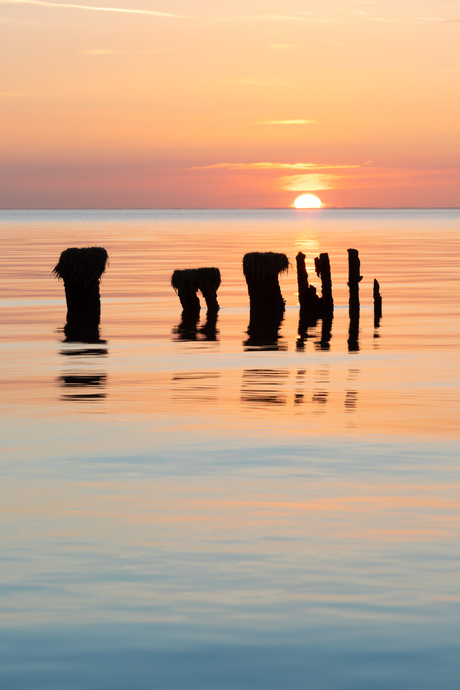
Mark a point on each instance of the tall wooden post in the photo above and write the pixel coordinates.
(323, 269)
(377, 304)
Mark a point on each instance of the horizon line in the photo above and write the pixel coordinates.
(230, 208)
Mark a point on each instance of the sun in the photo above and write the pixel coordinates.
(307, 201)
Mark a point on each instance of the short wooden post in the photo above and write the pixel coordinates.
(186, 282)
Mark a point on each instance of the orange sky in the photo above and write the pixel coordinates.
(198, 103)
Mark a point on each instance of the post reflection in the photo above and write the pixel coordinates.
(189, 328)
(83, 386)
(82, 383)
(353, 332)
(264, 387)
(326, 332)
(264, 331)
(320, 391)
(198, 387)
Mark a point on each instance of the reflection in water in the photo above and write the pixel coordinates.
(299, 397)
(262, 387)
(263, 331)
(195, 386)
(353, 332)
(188, 328)
(85, 385)
(86, 352)
(306, 321)
(320, 395)
(80, 383)
(326, 332)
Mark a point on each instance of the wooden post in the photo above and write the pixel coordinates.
(261, 270)
(354, 279)
(323, 269)
(81, 270)
(188, 281)
(377, 304)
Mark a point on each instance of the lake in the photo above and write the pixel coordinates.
(184, 510)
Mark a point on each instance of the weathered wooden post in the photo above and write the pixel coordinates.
(377, 304)
(261, 270)
(208, 281)
(354, 279)
(188, 281)
(310, 303)
(81, 270)
(323, 270)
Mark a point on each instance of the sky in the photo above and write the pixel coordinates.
(229, 103)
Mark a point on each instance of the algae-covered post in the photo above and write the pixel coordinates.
(81, 270)
(188, 281)
(261, 270)
(323, 269)
(377, 304)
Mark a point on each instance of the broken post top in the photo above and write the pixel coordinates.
(196, 279)
(81, 266)
(263, 265)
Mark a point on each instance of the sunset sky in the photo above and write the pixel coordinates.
(229, 104)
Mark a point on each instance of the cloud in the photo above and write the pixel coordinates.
(110, 51)
(71, 6)
(305, 183)
(288, 122)
(283, 46)
(275, 166)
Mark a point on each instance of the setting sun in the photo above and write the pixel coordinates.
(307, 201)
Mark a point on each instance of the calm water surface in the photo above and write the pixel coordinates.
(182, 511)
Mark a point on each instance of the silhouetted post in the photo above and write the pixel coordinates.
(323, 269)
(188, 281)
(81, 270)
(354, 279)
(261, 270)
(184, 283)
(302, 279)
(377, 304)
(208, 281)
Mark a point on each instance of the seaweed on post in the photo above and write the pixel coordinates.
(81, 270)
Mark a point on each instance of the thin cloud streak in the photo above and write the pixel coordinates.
(71, 6)
(275, 166)
(288, 122)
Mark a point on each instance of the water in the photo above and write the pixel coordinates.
(193, 513)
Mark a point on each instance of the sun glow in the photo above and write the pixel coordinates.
(307, 201)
